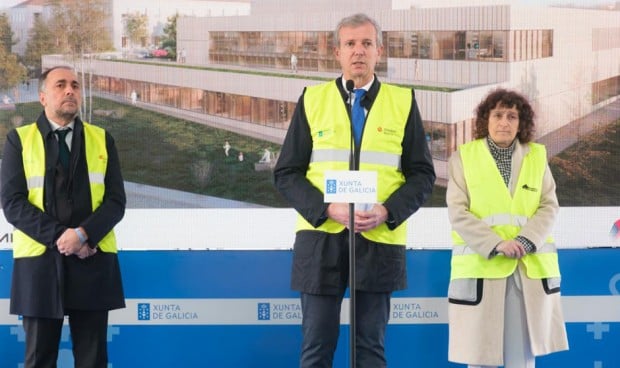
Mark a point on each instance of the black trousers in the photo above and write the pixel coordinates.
(89, 331)
(321, 327)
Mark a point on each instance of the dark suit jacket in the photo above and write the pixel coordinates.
(47, 285)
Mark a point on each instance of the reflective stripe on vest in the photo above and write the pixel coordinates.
(33, 157)
(381, 148)
(491, 201)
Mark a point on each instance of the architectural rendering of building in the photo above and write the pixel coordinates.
(23, 14)
(238, 75)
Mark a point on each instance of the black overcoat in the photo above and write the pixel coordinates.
(47, 285)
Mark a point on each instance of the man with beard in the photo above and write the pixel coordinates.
(63, 192)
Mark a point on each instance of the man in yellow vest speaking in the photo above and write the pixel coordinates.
(63, 192)
(389, 140)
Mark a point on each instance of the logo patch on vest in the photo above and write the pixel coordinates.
(388, 131)
(324, 133)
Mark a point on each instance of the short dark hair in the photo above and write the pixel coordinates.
(357, 20)
(43, 76)
(506, 98)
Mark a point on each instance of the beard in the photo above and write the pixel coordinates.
(67, 113)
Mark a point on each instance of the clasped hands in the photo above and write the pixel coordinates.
(69, 244)
(363, 220)
(511, 249)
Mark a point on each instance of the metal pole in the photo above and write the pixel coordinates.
(352, 335)
(352, 166)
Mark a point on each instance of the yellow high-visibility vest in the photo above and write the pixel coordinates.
(33, 157)
(491, 201)
(381, 148)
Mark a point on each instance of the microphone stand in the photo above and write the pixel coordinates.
(352, 331)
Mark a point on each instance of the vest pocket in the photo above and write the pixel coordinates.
(551, 285)
(465, 291)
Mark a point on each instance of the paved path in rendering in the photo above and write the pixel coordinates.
(144, 196)
(560, 139)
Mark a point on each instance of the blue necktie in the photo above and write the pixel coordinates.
(357, 115)
(63, 148)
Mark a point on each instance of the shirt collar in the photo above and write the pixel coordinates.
(498, 151)
(55, 126)
(366, 86)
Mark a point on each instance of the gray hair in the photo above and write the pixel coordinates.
(357, 20)
(44, 75)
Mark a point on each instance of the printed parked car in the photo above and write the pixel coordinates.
(159, 53)
(140, 53)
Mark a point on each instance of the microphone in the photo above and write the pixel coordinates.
(352, 302)
(350, 86)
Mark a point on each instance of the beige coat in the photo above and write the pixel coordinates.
(476, 331)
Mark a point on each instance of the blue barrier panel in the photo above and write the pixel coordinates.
(235, 309)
